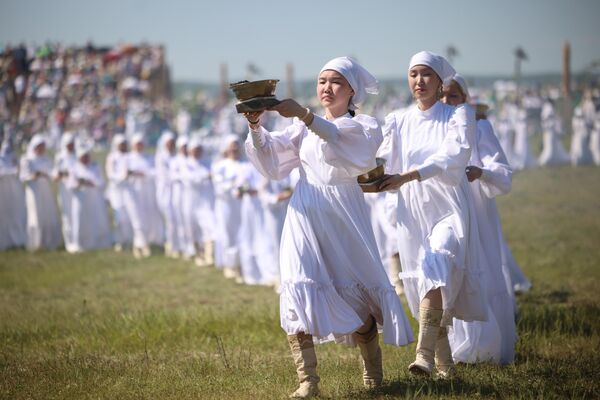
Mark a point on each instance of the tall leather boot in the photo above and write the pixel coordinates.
(209, 253)
(429, 327)
(443, 354)
(367, 339)
(395, 269)
(305, 358)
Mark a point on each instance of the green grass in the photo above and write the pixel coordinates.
(103, 325)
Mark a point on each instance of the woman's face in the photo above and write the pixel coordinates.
(424, 83)
(454, 95)
(40, 149)
(123, 147)
(333, 90)
(233, 151)
(197, 152)
(170, 146)
(85, 159)
(138, 147)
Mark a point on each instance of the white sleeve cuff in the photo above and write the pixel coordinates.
(428, 171)
(326, 130)
(258, 137)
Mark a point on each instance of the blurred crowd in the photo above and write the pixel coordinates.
(93, 91)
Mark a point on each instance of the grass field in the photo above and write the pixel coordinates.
(103, 325)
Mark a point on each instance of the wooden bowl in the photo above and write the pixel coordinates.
(373, 175)
(245, 90)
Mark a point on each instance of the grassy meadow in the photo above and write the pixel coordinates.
(103, 325)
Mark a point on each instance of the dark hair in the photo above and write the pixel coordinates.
(351, 112)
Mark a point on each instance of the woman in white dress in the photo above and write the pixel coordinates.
(553, 152)
(90, 225)
(116, 174)
(140, 199)
(225, 174)
(177, 175)
(275, 196)
(43, 225)
(165, 151)
(64, 162)
(427, 149)
(199, 217)
(580, 142)
(333, 284)
(489, 175)
(255, 245)
(13, 214)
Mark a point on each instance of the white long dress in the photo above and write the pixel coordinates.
(140, 202)
(227, 212)
(177, 176)
(522, 156)
(199, 215)
(332, 278)
(580, 141)
(13, 213)
(385, 232)
(90, 224)
(275, 211)
(64, 163)
(437, 227)
(162, 162)
(257, 266)
(494, 339)
(43, 224)
(116, 173)
(553, 152)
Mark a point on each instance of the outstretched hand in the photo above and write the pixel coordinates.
(253, 117)
(289, 108)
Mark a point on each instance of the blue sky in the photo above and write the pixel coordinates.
(200, 35)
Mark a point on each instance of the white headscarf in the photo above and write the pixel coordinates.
(463, 85)
(137, 138)
(194, 142)
(162, 142)
(117, 140)
(361, 80)
(83, 147)
(35, 141)
(181, 142)
(436, 62)
(66, 139)
(227, 140)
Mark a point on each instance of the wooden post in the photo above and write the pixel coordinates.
(567, 107)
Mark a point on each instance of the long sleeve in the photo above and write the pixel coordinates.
(349, 143)
(26, 173)
(390, 149)
(449, 162)
(116, 169)
(279, 153)
(496, 178)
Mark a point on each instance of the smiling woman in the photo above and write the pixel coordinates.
(333, 284)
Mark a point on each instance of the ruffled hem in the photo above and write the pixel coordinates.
(439, 270)
(323, 310)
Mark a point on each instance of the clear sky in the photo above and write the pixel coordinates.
(382, 35)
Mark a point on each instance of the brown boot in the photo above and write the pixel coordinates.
(367, 339)
(305, 358)
(209, 253)
(395, 269)
(429, 327)
(443, 354)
